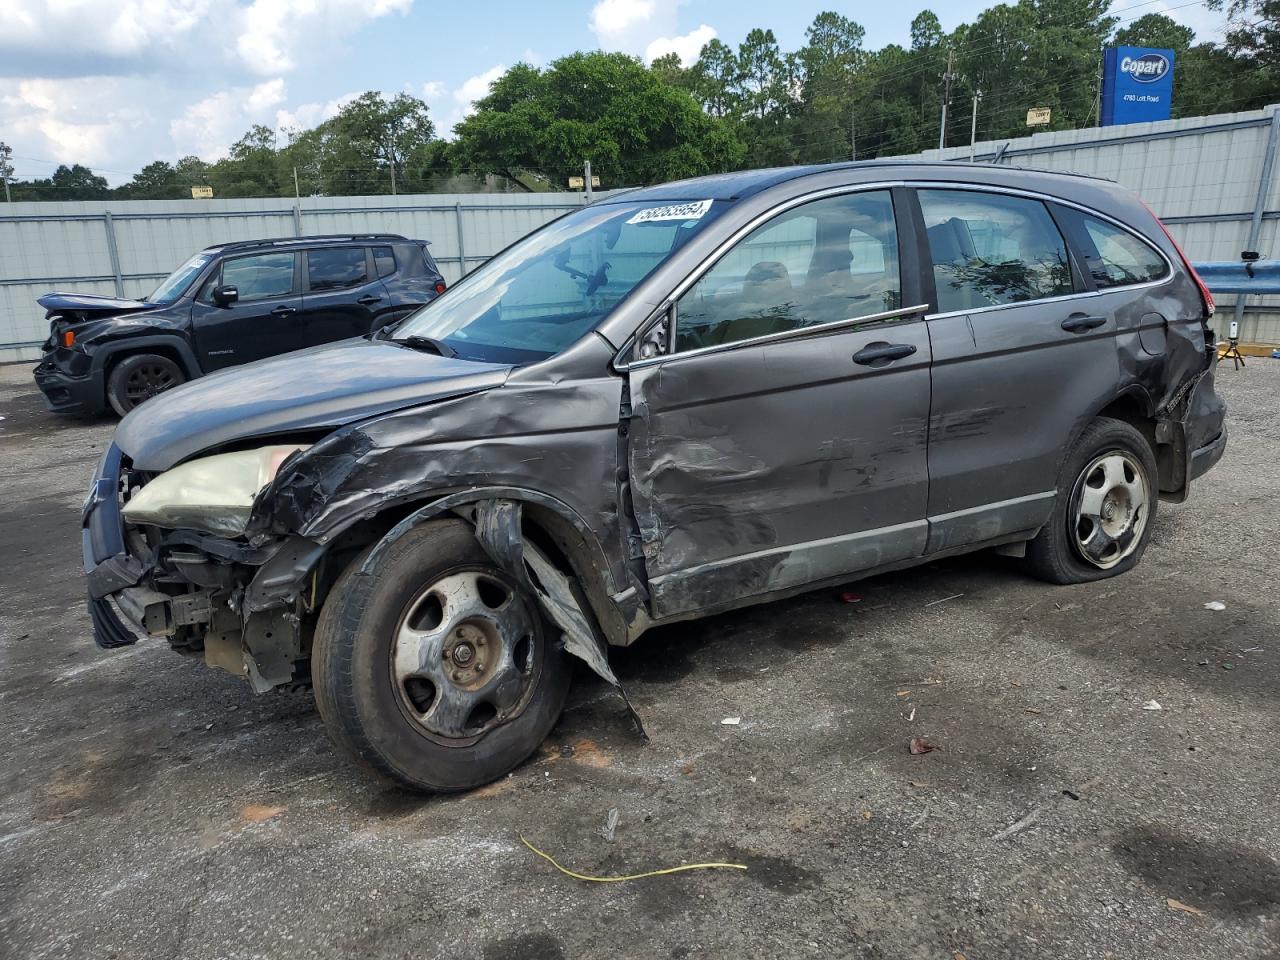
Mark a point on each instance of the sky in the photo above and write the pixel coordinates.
(115, 84)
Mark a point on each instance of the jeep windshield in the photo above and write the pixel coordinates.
(543, 293)
(175, 285)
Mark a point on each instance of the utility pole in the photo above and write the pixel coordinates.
(946, 97)
(1098, 100)
(297, 194)
(973, 123)
(586, 177)
(853, 136)
(6, 152)
(393, 176)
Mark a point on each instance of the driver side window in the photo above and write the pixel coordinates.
(822, 262)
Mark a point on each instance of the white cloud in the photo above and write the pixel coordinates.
(131, 81)
(433, 91)
(613, 19)
(119, 29)
(271, 31)
(209, 127)
(473, 88)
(687, 47)
(308, 115)
(77, 120)
(635, 26)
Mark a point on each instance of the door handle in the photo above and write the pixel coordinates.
(880, 353)
(1078, 323)
(283, 311)
(368, 298)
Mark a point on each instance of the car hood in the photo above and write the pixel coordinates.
(85, 306)
(322, 387)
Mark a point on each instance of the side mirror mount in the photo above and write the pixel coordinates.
(226, 295)
(654, 341)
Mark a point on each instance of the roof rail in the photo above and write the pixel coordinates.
(293, 241)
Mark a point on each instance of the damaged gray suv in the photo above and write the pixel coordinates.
(676, 401)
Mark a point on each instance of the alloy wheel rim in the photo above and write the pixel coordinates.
(466, 656)
(1110, 509)
(147, 381)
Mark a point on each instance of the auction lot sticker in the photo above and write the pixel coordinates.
(694, 210)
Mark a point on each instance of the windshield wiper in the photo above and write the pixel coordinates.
(427, 344)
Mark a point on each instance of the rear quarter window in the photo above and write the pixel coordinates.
(1114, 257)
(384, 260)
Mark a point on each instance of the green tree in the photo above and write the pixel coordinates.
(1254, 30)
(716, 79)
(371, 138)
(605, 107)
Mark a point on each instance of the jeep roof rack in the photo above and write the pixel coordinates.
(293, 241)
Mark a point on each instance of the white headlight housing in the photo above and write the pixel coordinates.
(214, 494)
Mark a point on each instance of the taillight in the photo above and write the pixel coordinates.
(68, 338)
(1205, 294)
(440, 287)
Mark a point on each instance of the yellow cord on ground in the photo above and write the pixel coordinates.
(635, 876)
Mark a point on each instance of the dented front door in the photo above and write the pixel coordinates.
(768, 467)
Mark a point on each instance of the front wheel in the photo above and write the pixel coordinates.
(1105, 507)
(140, 377)
(435, 669)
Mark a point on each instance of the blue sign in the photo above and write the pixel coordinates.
(1137, 85)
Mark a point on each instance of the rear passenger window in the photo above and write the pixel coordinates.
(384, 260)
(825, 261)
(336, 268)
(990, 249)
(1115, 257)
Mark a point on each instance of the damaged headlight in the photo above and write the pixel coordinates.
(214, 494)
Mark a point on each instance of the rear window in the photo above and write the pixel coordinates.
(336, 268)
(384, 260)
(1114, 257)
(990, 249)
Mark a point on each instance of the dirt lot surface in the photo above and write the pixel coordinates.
(155, 808)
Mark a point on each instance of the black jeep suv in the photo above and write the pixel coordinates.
(227, 305)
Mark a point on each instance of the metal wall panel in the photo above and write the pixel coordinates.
(64, 246)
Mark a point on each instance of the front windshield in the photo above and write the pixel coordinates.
(545, 292)
(177, 282)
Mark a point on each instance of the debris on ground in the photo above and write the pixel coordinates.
(919, 783)
(610, 824)
(919, 745)
(1184, 907)
(1215, 605)
(632, 876)
(1152, 705)
(1228, 665)
(260, 813)
(730, 721)
(848, 596)
(1031, 710)
(954, 596)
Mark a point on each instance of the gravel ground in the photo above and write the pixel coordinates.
(154, 808)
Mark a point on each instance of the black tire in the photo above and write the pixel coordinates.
(364, 705)
(140, 377)
(1056, 554)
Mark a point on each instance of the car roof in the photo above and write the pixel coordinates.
(746, 183)
(315, 240)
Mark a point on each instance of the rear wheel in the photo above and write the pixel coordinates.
(436, 669)
(139, 378)
(1106, 503)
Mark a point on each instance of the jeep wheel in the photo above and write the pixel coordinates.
(436, 669)
(140, 377)
(1106, 504)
